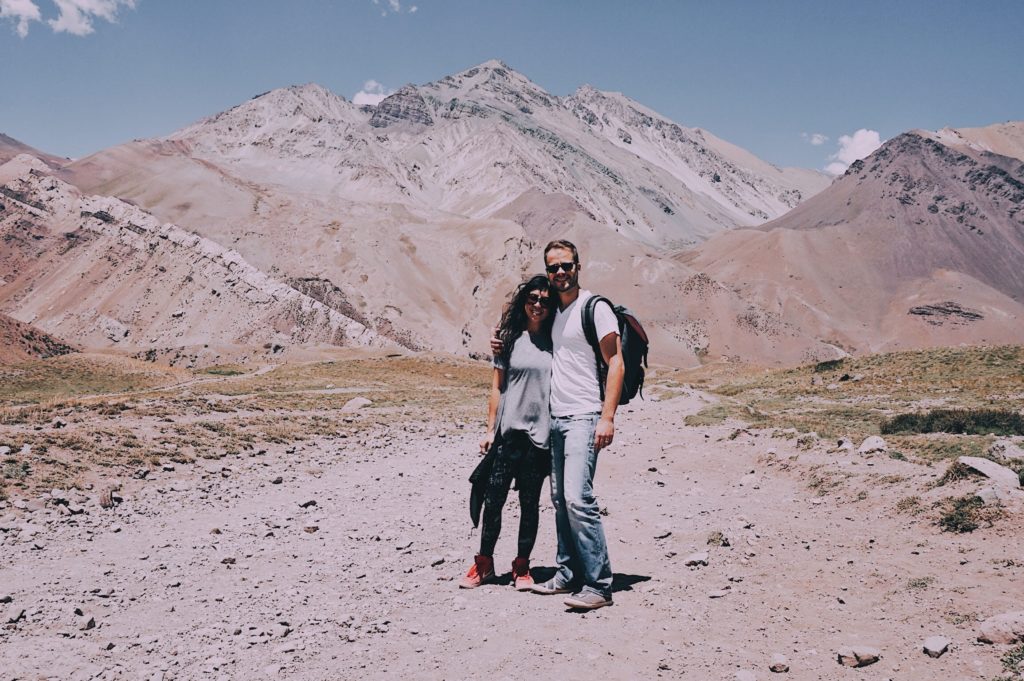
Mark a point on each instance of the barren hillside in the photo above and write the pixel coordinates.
(918, 245)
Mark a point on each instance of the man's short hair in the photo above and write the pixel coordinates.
(565, 245)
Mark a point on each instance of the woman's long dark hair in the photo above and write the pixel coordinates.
(513, 319)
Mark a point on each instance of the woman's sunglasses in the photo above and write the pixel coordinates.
(536, 299)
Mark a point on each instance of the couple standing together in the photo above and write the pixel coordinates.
(549, 413)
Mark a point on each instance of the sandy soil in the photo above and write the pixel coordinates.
(213, 570)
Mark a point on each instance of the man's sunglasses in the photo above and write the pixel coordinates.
(534, 299)
(564, 266)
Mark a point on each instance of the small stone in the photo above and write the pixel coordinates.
(403, 545)
(13, 614)
(109, 645)
(697, 559)
(873, 444)
(663, 533)
(168, 467)
(1006, 449)
(6, 598)
(858, 656)
(277, 481)
(936, 646)
(437, 561)
(355, 404)
(779, 664)
(720, 593)
(307, 504)
(310, 529)
(86, 620)
(227, 561)
(989, 496)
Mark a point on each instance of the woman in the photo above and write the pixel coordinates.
(518, 424)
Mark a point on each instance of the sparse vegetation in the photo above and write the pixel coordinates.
(911, 505)
(716, 538)
(975, 380)
(956, 471)
(960, 421)
(182, 416)
(966, 514)
(918, 583)
(1013, 660)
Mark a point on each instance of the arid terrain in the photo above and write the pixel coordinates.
(243, 371)
(245, 523)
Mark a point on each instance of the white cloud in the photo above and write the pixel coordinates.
(20, 11)
(74, 16)
(852, 148)
(372, 93)
(393, 7)
(815, 138)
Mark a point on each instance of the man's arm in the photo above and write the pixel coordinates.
(611, 350)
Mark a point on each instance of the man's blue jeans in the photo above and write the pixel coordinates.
(582, 550)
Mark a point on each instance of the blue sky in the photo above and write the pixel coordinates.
(766, 76)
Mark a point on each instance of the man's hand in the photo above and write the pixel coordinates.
(604, 433)
(496, 345)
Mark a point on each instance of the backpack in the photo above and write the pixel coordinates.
(634, 348)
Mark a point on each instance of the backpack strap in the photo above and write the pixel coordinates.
(590, 333)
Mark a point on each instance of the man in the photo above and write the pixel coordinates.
(581, 425)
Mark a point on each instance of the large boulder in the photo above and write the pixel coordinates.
(1001, 476)
(873, 444)
(1005, 629)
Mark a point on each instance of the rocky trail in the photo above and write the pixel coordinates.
(340, 558)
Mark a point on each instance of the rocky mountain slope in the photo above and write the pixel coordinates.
(466, 145)
(422, 212)
(19, 342)
(107, 274)
(10, 147)
(919, 244)
(110, 275)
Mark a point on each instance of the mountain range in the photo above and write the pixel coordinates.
(299, 218)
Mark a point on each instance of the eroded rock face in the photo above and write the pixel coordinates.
(406, 105)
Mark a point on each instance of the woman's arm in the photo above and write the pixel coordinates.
(492, 408)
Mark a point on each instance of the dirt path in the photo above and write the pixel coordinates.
(216, 571)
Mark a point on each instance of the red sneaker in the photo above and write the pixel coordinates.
(521, 574)
(482, 571)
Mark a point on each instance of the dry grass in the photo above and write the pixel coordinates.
(851, 398)
(96, 415)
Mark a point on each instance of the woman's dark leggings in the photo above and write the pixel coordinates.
(528, 465)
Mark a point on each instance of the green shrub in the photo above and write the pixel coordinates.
(962, 515)
(959, 421)
(1013, 659)
(827, 365)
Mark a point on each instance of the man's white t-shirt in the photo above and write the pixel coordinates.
(574, 386)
